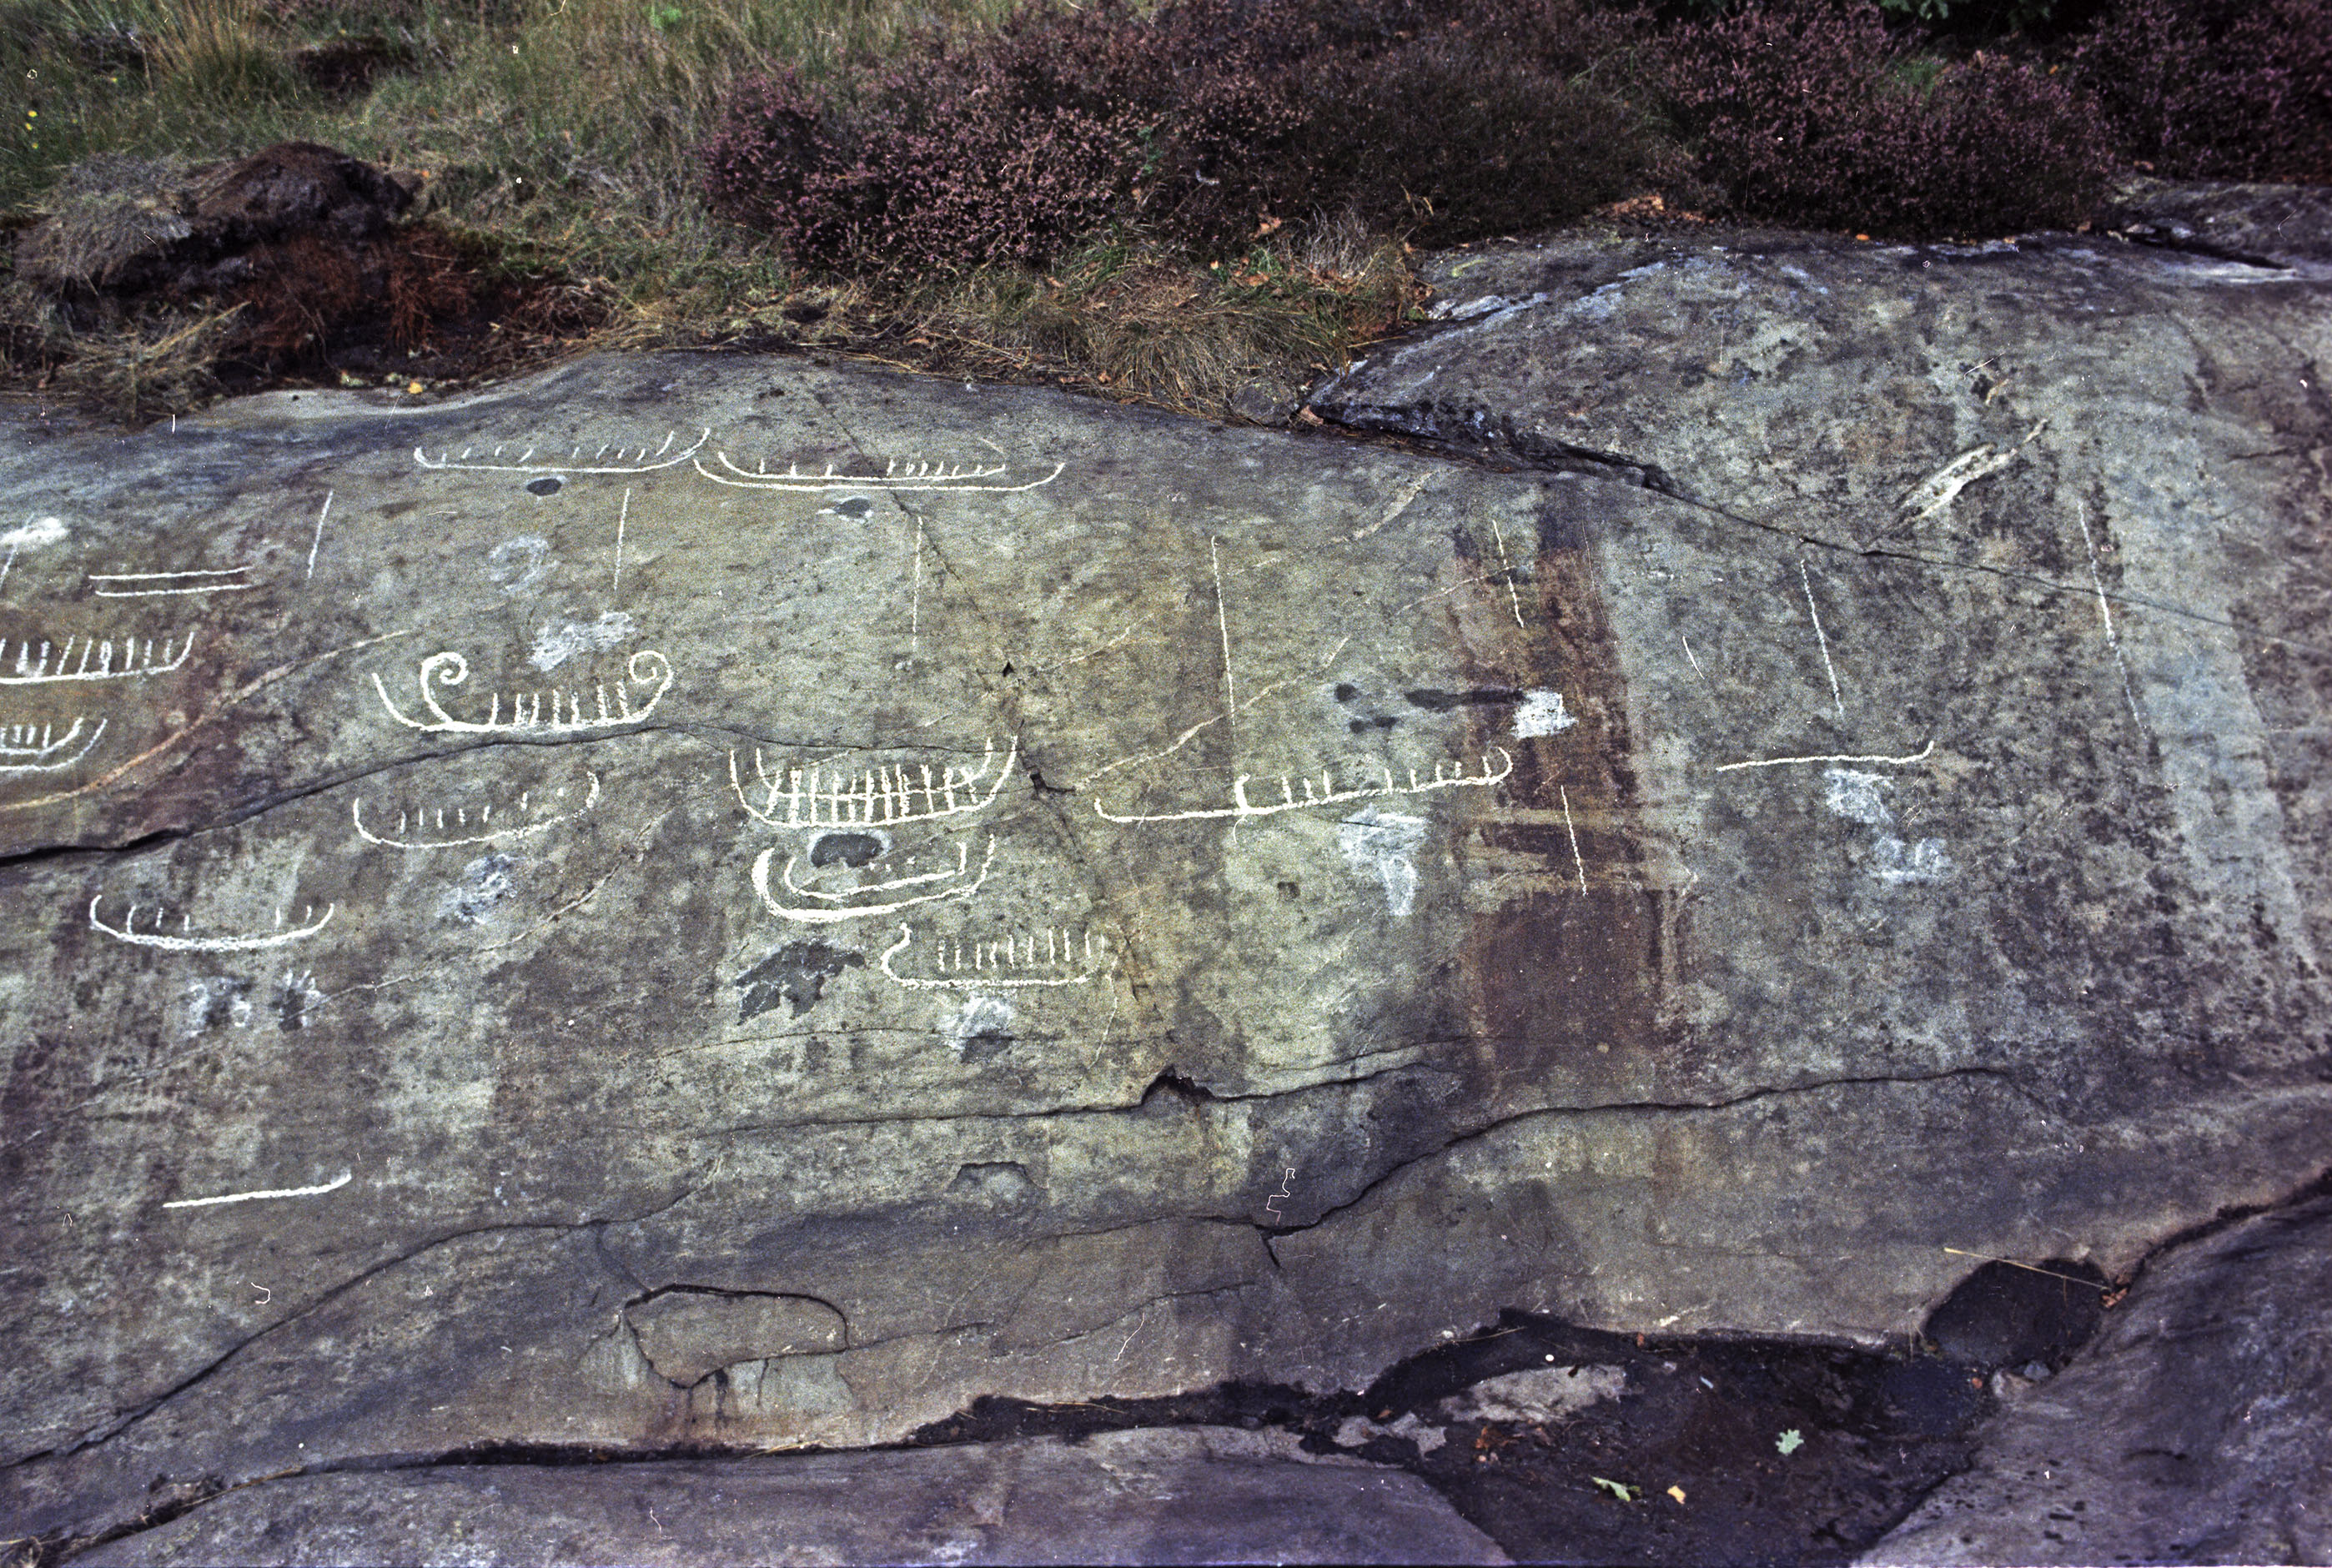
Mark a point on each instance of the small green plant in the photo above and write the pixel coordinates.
(1789, 1442)
(664, 18)
(1619, 1489)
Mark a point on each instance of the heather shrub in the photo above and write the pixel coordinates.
(1467, 131)
(1803, 113)
(951, 163)
(1207, 122)
(2217, 88)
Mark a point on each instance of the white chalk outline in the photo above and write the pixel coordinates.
(1921, 755)
(149, 593)
(636, 463)
(30, 674)
(963, 869)
(1244, 809)
(880, 797)
(127, 932)
(1287, 1190)
(1577, 859)
(2105, 612)
(1942, 487)
(498, 836)
(47, 746)
(451, 669)
(334, 1185)
(986, 981)
(1837, 700)
(917, 476)
(828, 916)
(317, 543)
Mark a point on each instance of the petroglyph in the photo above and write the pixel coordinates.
(31, 534)
(1383, 842)
(981, 1030)
(962, 864)
(647, 670)
(140, 585)
(1858, 797)
(623, 459)
(424, 819)
(896, 476)
(1017, 960)
(1241, 808)
(1542, 713)
(885, 796)
(334, 1185)
(1921, 755)
(517, 564)
(1286, 1190)
(554, 644)
(34, 666)
(1937, 493)
(827, 913)
(23, 750)
(187, 942)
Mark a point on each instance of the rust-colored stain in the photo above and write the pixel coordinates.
(1562, 974)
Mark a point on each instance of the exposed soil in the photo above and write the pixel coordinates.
(1693, 1463)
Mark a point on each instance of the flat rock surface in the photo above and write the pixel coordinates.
(696, 900)
(1192, 1495)
(2191, 1431)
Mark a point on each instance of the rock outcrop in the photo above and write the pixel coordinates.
(704, 901)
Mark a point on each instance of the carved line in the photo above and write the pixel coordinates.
(1921, 755)
(638, 462)
(318, 1190)
(451, 669)
(988, 960)
(827, 916)
(21, 733)
(881, 797)
(915, 476)
(126, 932)
(1328, 795)
(179, 737)
(34, 673)
(1287, 1190)
(157, 576)
(498, 836)
(963, 867)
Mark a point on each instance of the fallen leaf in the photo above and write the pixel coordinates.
(1619, 1489)
(1677, 1491)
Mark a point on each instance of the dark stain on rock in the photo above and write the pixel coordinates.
(293, 996)
(796, 973)
(1564, 983)
(2007, 1314)
(1434, 702)
(851, 849)
(1362, 726)
(548, 484)
(1346, 691)
(982, 1032)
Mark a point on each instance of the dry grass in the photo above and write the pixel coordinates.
(142, 369)
(562, 136)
